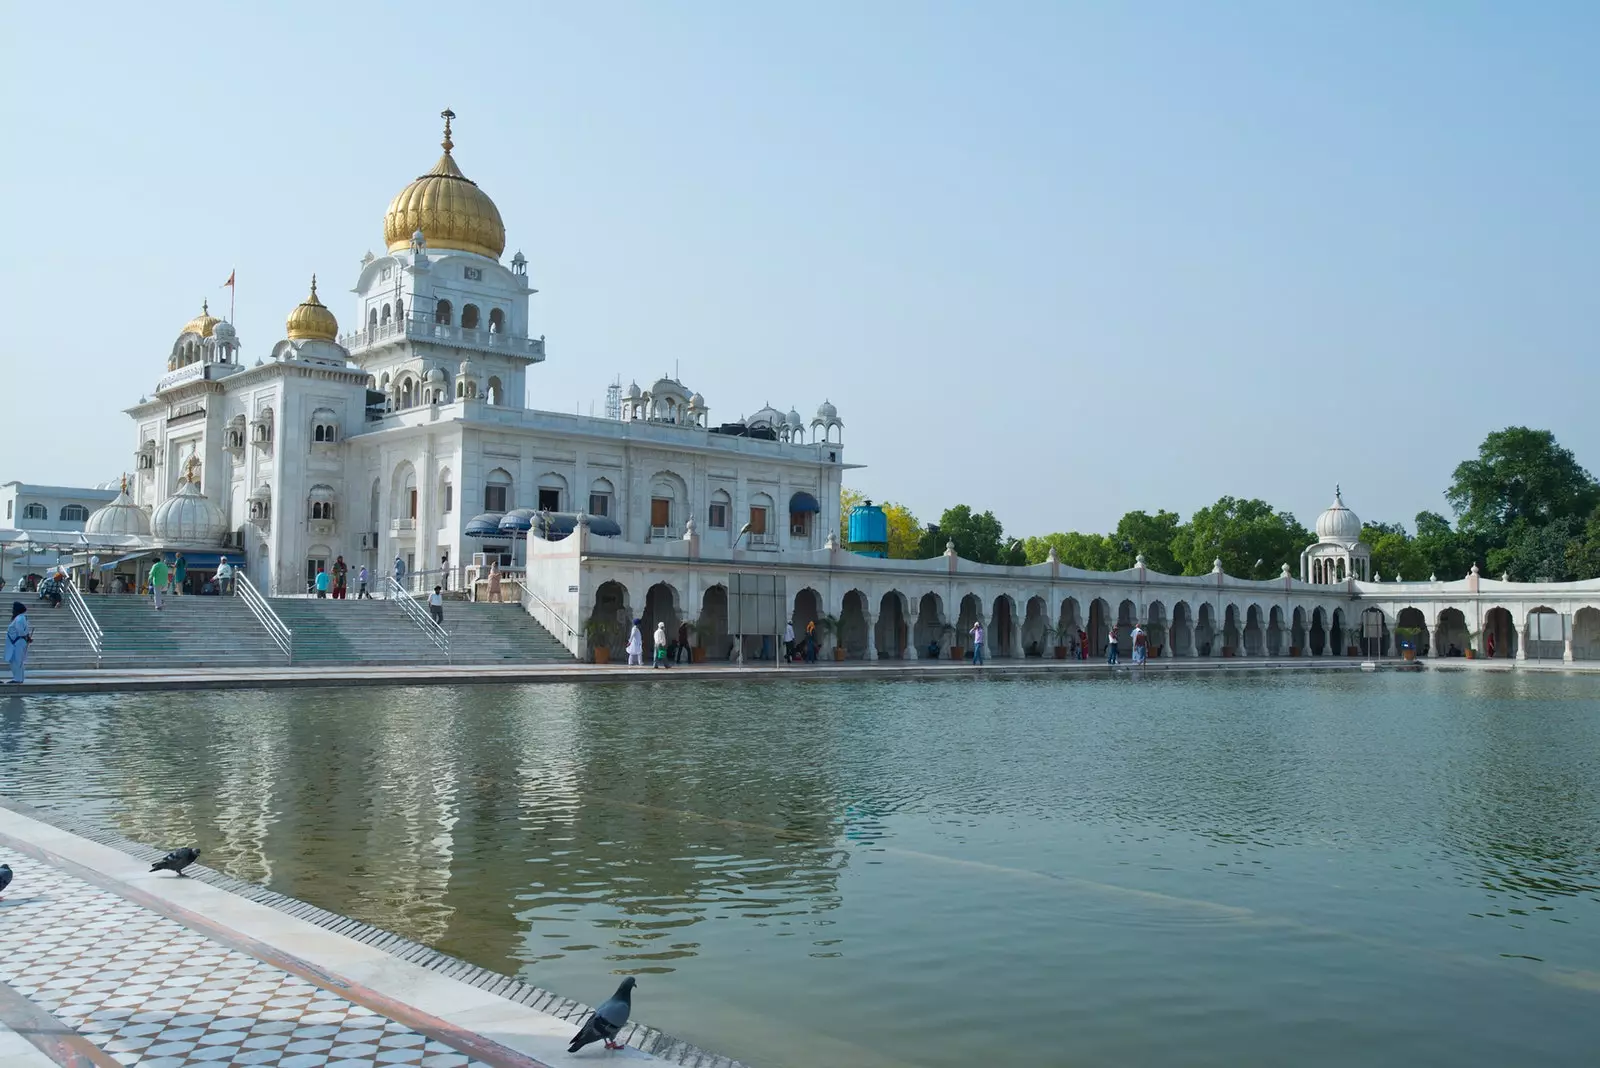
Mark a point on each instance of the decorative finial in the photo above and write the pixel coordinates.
(189, 469)
(313, 289)
(205, 307)
(1336, 492)
(447, 115)
(124, 482)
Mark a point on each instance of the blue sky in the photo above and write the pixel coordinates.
(1057, 260)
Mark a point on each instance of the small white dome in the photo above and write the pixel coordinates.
(1338, 523)
(188, 518)
(794, 419)
(767, 416)
(224, 330)
(827, 412)
(634, 392)
(436, 376)
(697, 401)
(120, 517)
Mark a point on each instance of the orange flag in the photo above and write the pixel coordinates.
(229, 282)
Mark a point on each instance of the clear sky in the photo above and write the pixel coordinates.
(1060, 260)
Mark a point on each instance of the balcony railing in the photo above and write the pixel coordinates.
(425, 329)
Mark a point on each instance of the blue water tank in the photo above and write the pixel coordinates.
(869, 530)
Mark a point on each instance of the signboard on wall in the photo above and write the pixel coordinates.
(756, 603)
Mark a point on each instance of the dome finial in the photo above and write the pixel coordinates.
(205, 307)
(447, 115)
(1337, 495)
(313, 287)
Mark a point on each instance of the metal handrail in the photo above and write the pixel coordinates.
(408, 604)
(528, 595)
(86, 621)
(276, 629)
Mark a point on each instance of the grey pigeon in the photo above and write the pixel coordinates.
(608, 1019)
(177, 860)
(5, 876)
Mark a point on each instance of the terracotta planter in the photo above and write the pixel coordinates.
(1061, 652)
(1294, 650)
(957, 652)
(838, 652)
(1352, 650)
(1471, 653)
(1410, 654)
(602, 655)
(697, 655)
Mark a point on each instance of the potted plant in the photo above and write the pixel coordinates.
(1407, 637)
(1471, 651)
(600, 633)
(705, 632)
(827, 625)
(1053, 638)
(957, 650)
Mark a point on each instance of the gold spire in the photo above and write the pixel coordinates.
(448, 207)
(310, 320)
(189, 469)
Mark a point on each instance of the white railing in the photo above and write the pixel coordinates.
(423, 328)
(552, 620)
(86, 621)
(280, 634)
(763, 541)
(422, 618)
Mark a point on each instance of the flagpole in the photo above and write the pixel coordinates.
(233, 291)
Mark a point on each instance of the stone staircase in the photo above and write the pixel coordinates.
(58, 644)
(193, 632)
(498, 634)
(368, 631)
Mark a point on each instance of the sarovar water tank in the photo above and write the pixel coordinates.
(869, 530)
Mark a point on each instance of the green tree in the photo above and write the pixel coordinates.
(1439, 550)
(1248, 536)
(1092, 552)
(1539, 553)
(1521, 478)
(1151, 535)
(978, 537)
(905, 533)
(1392, 551)
(1583, 553)
(848, 499)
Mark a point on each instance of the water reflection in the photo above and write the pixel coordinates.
(826, 861)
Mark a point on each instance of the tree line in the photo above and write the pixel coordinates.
(1524, 508)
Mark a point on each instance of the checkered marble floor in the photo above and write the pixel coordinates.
(153, 993)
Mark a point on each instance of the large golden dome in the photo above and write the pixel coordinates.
(311, 320)
(449, 209)
(203, 323)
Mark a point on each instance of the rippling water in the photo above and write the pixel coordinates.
(1228, 870)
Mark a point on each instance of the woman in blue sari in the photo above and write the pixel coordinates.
(18, 635)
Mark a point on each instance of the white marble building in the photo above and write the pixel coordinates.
(410, 437)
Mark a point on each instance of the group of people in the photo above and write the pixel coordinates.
(1141, 645)
(667, 651)
(338, 583)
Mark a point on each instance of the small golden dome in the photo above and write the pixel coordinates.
(449, 209)
(203, 323)
(311, 320)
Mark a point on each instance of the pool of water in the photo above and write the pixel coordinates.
(1219, 870)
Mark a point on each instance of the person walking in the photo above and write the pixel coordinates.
(341, 578)
(436, 605)
(322, 583)
(158, 582)
(94, 573)
(1141, 645)
(361, 588)
(180, 574)
(661, 645)
(683, 642)
(635, 646)
(788, 641)
(1083, 644)
(811, 641)
(399, 570)
(19, 635)
(224, 577)
(494, 581)
(977, 644)
(1111, 647)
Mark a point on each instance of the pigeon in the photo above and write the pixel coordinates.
(5, 876)
(608, 1019)
(177, 860)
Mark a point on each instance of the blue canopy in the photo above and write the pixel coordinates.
(486, 525)
(553, 526)
(803, 502)
(517, 520)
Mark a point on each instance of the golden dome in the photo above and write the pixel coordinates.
(311, 320)
(203, 323)
(449, 209)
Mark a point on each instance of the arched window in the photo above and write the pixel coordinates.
(322, 510)
(496, 392)
(497, 321)
(717, 514)
(447, 492)
(35, 511)
(372, 318)
(399, 309)
(600, 494)
(469, 317)
(74, 513)
(552, 492)
(384, 318)
(441, 312)
(497, 491)
(406, 393)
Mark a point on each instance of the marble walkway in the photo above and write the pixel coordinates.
(103, 963)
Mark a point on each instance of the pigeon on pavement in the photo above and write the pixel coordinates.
(608, 1019)
(177, 860)
(5, 876)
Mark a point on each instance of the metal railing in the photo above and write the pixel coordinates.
(280, 634)
(422, 618)
(86, 621)
(549, 618)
